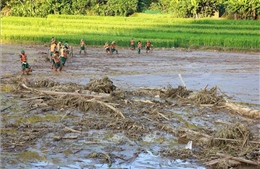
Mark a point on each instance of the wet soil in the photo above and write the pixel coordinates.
(129, 110)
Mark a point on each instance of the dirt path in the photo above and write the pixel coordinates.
(40, 131)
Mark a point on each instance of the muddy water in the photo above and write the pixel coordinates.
(236, 74)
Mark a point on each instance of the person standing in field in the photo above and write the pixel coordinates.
(132, 44)
(57, 63)
(59, 46)
(82, 46)
(148, 46)
(53, 40)
(139, 46)
(25, 65)
(107, 48)
(113, 48)
(63, 56)
(66, 45)
(53, 49)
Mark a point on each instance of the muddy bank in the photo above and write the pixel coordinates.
(77, 118)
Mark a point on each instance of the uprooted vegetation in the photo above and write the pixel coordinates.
(104, 106)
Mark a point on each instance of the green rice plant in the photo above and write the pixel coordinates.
(163, 31)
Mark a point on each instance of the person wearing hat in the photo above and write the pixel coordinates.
(25, 65)
(113, 48)
(66, 45)
(82, 46)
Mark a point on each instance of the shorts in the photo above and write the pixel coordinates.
(112, 50)
(63, 61)
(25, 65)
(57, 65)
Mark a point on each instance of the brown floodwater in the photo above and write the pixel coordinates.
(235, 74)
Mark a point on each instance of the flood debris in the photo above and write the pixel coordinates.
(58, 138)
(55, 93)
(44, 83)
(175, 93)
(67, 112)
(235, 131)
(103, 156)
(243, 111)
(104, 85)
(3, 109)
(129, 160)
(230, 146)
(233, 144)
(205, 96)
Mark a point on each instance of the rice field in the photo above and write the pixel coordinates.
(162, 30)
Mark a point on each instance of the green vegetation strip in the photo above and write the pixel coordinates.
(162, 31)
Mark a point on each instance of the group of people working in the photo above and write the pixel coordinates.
(110, 49)
(59, 53)
(139, 46)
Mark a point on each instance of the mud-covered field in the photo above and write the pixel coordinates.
(171, 108)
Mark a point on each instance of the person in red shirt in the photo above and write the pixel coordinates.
(25, 65)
